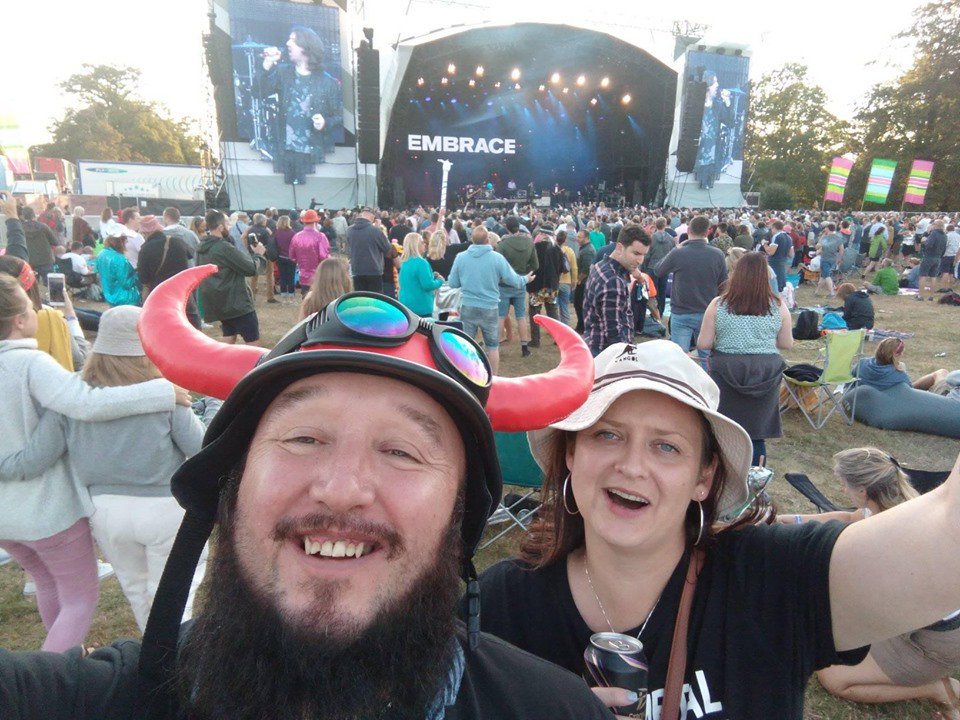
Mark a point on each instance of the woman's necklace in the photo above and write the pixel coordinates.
(643, 627)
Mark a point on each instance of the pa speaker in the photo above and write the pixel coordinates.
(691, 119)
(368, 105)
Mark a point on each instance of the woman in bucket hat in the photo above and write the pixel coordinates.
(635, 481)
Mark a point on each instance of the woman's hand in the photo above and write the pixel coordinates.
(614, 697)
(183, 396)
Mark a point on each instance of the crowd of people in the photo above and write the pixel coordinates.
(334, 593)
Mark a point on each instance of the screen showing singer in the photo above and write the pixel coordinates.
(289, 97)
(309, 104)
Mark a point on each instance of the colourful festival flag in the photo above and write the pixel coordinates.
(837, 181)
(918, 182)
(880, 180)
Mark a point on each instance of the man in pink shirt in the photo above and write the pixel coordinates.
(309, 248)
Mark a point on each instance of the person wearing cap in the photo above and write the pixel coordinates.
(162, 256)
(135, 517)
(43, 520)
(308, 249)
(342, 534)
(369, 250)
(226, 296)
(645, 494)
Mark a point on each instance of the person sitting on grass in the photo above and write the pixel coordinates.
(857, 307)
(886, 370)
(887, 280)
(912, 666)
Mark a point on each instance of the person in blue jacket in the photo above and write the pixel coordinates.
(418, 281)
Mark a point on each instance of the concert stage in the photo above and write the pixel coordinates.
(559, 107)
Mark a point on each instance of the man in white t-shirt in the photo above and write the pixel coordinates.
(77, 261)
(130, 218)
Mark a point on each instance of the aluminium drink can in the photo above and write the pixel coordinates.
(617, 660)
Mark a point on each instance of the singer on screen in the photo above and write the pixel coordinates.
(715, 132)
(309, 105)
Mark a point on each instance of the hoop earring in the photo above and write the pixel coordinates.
(700, 533)
(563, 494)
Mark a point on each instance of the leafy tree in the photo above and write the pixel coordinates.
(791, 136)
(776, 196)
(112, 123)
(917, 116)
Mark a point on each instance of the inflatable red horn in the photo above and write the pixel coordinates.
(183, 354)
(532, 402)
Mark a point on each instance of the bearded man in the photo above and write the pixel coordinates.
(343, 535)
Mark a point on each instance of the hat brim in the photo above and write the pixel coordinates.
(736, 448)
(198, 482)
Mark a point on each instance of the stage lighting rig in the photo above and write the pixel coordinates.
(515, 75)
(626, 99)
(443, 81)
(420, 81)
(452, 69)
(566, 90)
(582, 80)
(555, 78)
(497, 84)
(605, 82)
(593, 101)
(472, 82)
(543, 88)
(479, 70)
(516, 86)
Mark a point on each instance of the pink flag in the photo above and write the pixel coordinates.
(837, 181)
(918, 182)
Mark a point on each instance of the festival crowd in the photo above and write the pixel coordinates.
(334, 585)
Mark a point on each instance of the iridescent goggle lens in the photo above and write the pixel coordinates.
(370, 316)
(464, 356)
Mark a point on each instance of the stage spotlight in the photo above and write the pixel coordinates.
(626, 99)
(605, 82)
(451, 68)
(593, 101)
(453, 101)
(420, 81)
(555, 78)
(542, 88)
(582, 80)
(515, 75)
(443, 81)
(472, 82)
(427, 99)
(566, 90)
(496, 84)
(517, 86)
(479, 70)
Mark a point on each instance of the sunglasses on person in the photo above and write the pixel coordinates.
(365, 319)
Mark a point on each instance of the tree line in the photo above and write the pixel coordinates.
(792, 137)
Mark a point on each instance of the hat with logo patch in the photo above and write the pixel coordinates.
(658, 366)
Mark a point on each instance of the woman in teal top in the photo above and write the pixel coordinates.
(745, 329)
(118, 279)
(418, 282)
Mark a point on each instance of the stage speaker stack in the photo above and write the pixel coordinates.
(694, 95)
(368, 104)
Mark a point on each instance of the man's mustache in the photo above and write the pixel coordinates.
(384, 536)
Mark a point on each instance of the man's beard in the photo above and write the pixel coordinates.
(244, 659)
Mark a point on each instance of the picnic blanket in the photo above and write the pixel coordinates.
(899, 334)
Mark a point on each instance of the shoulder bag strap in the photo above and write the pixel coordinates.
(678, 650)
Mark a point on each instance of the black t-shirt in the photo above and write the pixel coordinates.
(760, 624)
(499, 681)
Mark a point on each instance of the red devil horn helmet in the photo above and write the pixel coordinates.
(189, 358)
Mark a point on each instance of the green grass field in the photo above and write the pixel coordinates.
(801, 449)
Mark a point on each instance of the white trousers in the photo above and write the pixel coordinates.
(136, 535)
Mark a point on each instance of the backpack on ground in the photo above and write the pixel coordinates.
(808, 325)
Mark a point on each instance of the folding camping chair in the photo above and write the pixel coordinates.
(844, 350)
(520, 470)
(804, 485)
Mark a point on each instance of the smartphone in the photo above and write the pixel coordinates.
(56, 283)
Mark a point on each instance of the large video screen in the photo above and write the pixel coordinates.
(288, 82)
(720, 151)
